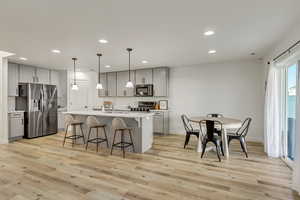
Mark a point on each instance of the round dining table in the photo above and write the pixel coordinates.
(227, 124)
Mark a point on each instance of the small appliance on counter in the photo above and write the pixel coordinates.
(144, 106)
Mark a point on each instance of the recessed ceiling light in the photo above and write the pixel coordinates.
(208, 33)
(22, 58)
(55, 51)
(103, 41)
(144, 61)
(212, 51)
(107, 66)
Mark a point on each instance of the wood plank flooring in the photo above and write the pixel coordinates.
(42, 169)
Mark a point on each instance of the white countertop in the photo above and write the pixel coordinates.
(16, 111)
(125, 114)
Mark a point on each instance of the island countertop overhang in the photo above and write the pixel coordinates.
(124, 114)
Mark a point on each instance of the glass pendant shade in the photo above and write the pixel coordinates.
(129, 84)
(75, 87)
(99, 86)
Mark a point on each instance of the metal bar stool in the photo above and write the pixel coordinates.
(70, 121)
(119, 126)
(93, 123)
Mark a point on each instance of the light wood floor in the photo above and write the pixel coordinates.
(42, 169)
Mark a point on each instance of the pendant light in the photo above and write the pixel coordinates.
(99, 85)
(74, 86)
(129, 84)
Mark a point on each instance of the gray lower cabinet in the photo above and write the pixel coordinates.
(161, 122)
(122, 79)
(27, 74)
(13, 79)
(16, 125)
(112, 84)
(103, 80)
(160, 81)
(143, 76)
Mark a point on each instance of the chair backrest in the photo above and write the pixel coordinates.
(209, 128)
(214, 115)
(186, 123)
(243, 130)
(68, 119)
(118, 123)
(92, 121)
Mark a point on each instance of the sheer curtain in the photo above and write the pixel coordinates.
(296, 170)
(273, 112)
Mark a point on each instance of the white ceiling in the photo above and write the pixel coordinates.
(164, 32)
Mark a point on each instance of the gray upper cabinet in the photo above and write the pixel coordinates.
(112, 84)
(122, 78)
(54, 80)
(13, 79)
(27, 74)
(160, 81)
(42, 76)
(103, 93)
(54, 77)
(143, 76)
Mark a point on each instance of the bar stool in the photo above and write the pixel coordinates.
(93, 123)
(119, 126)
(70, 121)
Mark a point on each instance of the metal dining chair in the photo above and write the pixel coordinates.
(216, 115)
(241, 134)
(188, 129)
(210, 136)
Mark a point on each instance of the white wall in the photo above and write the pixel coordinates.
(234, 89)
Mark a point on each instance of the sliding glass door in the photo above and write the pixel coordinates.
(290, 111)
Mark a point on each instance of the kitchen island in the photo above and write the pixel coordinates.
(140, 122)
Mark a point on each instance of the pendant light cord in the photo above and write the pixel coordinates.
(74, 75)
(129, 66)
(99, 64)
(129, 50)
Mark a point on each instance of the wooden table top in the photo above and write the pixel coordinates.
(227, 122)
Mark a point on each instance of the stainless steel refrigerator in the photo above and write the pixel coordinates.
(39, 102)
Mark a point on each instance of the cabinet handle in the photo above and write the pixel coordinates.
(143, 80)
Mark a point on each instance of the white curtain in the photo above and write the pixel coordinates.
(273, 135)
(296, 170)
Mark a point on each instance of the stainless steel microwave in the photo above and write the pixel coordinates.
(145, 90)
